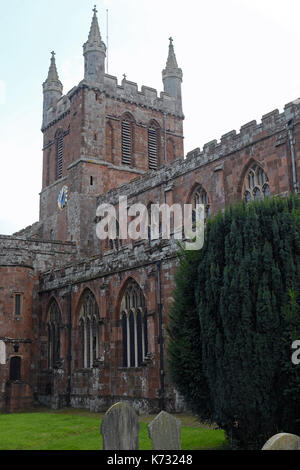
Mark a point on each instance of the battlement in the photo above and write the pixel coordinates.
(146, 97)
(271, 123)
(131, 256)
(38, 254)
(128, 92)
(58, 111)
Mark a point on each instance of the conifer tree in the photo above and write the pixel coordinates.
(185, 365)
(246, 281)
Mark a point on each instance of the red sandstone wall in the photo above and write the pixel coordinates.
(17, 333)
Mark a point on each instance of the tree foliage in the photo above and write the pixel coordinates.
(235, 313)
(185, 364)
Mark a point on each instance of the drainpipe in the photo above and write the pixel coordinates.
(160, 340)
(290, 127)
(69, 356)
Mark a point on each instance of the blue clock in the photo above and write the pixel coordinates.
(63, 198)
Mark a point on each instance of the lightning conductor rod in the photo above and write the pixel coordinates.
(107, 41)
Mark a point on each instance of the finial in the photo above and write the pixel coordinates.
(171, 41)
(95, 9)
(124, 76)
(53, 54)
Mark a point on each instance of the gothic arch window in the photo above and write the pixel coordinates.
(15, 368)
(53, 327)
(256, 184)
(127, 139)
(89, 320)
(134, 326)
(59, 137)
(200, 196)
(153, 145)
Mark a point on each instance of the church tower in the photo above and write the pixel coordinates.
(100, 135)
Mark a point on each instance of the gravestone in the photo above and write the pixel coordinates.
(2, 353)
(165, 432)
(120, 428)
(283, 441)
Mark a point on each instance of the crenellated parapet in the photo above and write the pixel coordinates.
(273, 123)
(127, 92)
(128, 257)
(145, 97)
(37, 254)
(168, 101)
(57, 112)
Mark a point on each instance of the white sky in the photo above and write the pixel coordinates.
(239, 60)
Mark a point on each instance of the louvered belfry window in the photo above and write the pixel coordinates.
(153, 147)
(59, 155)
(126, 142)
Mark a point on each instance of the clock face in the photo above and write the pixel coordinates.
(63, 198)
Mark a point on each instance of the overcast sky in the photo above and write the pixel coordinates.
(240, 60)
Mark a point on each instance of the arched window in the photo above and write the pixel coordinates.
(200, 197)
(15, 368)
(153, 145)
(134, 326)
(89, 320)
(59, 153)
(127, 139)
(53, 327)
(256, 184)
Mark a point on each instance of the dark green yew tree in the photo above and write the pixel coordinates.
(240, 325)
(184, 343)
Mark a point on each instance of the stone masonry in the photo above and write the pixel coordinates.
(61, 349)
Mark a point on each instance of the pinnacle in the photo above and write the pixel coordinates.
(172, 69)
(171, 62)
(52, 74)
(94, 35)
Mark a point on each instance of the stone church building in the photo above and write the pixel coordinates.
(83, 320)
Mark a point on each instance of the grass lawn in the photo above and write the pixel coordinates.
(80, 430)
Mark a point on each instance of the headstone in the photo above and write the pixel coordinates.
(2, 353)
(120, 428)
(283, 441)
(165, 432)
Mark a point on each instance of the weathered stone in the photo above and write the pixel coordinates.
(43, 261)
(120, 428)
(165, 432)
(2, 353)
(283, 441)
